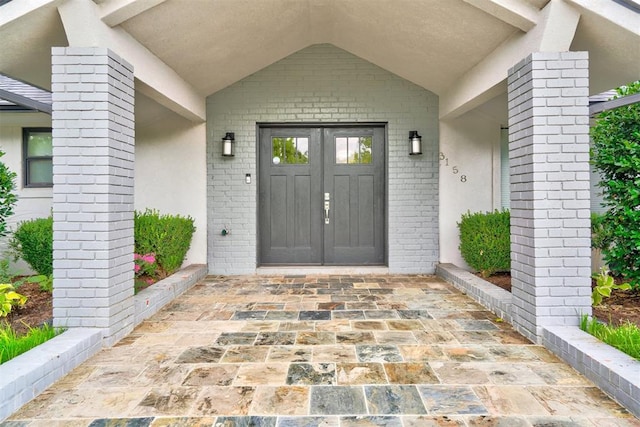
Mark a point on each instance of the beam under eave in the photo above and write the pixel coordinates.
(614, 103)
(554, 32)
(84, 28)
(16, 9)
(25, 102)
(115, 12)
(516, 13)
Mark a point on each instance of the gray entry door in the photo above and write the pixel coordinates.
(321, 196)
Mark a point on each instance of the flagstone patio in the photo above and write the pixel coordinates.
(302, 351)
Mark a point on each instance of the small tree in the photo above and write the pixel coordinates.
(616, 156)
(7, 197)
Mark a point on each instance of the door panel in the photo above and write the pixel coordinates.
(298, 167)
(290, 196)
(302, 212)
(366, 209)
(278, 198)
(354, 176)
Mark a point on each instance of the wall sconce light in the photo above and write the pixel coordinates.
(228, 145)
(415, 143)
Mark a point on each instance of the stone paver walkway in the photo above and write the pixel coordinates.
(323, 351)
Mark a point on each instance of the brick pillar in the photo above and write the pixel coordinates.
(93, 154)
(550, 213)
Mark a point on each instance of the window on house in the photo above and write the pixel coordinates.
(38, 157)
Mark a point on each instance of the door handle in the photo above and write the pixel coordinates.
(326, 212)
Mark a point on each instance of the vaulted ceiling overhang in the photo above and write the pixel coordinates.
(183, 51)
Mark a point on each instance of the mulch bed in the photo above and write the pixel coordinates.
(37, 311)
(39, 307)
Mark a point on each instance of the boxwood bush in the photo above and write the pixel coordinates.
(33, 242)
(485, 241)
(166, 236)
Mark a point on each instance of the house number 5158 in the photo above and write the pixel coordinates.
(454, 169)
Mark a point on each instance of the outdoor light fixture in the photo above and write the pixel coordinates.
(415, 143)
(228, 145)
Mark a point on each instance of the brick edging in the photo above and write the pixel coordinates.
(613, 371)
(490, 296)
(150, 300)
(26, 376)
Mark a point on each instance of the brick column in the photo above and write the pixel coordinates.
(93, 154)
(550, 212)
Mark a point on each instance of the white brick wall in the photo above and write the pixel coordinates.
(550, 225)
(323, 84)
(93, 152)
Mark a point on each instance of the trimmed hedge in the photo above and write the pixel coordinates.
(33, 242)
(166, 236)
(485, 241)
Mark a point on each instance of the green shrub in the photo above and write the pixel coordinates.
(616, 156)
(6, 276)
(485, 241)
(7, 196)
(33, 242)
(599, 238)
(166, 236)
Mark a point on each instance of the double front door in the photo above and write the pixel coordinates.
(322, 196)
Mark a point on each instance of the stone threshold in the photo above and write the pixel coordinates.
(321, 270)
(614, 372)
(28, 375)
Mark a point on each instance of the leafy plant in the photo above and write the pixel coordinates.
(625, 338)
(605, 284)
(485, 241)
(44, 282)
(7, 196)
(616, 156)
(166, 236)
(9, 298)
(33, 242)
(12, 345)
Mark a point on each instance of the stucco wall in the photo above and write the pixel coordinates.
(471, 143)
(32, 202)
(170, 174)
(323, 84)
